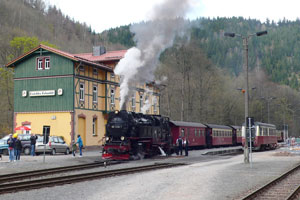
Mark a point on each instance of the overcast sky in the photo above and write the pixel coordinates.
(105, 14)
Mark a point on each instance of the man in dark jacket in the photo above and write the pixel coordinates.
(33, 139)
(11, 146)
(179, 143)
(18, 148)
(186, 147)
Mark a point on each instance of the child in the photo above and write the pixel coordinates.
(74, 148)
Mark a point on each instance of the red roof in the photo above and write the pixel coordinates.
(108, 56)
(85, 58)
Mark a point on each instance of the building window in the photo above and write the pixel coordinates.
(95, 94)
(81, 91)
(43, 63)
(133, 102)
(95, 71)
(112, 96)
(40, 64)
(94, 126)
(47, 63)
(154, 105)
(141, 102)
(112, 75)
(81, 68)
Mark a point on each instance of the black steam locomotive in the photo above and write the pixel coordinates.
(132, 135)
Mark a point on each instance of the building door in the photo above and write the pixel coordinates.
(82, 129)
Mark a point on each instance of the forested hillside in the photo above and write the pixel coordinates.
(278, 52)
(201, 75)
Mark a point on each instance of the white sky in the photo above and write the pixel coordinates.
(105, 14)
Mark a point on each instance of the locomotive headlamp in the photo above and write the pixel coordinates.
(116, 112)
(122, 138)
(107, 138)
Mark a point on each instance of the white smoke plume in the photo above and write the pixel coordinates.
(152, 38)
(147, 104)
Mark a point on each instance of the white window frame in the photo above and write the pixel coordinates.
(112, 96)
(133, 102)
(81, 91)
(141, 102)
(40, 64)
(95, 94)
(94, 126)
(47, 63)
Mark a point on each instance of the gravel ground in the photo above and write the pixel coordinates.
(207, 177)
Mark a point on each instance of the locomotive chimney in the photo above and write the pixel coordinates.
(123, 106)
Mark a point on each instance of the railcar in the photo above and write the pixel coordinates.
(131, 135)
(263, 136)
(218, 135)
(194, 132)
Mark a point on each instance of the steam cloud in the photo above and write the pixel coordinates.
(153, 37)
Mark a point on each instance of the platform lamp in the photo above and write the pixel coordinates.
(245, 44)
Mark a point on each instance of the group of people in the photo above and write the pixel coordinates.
(15, 146)
(180, 144)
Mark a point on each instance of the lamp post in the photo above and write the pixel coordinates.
(268, 103)
(245, 44)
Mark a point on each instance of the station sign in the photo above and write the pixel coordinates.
(42, 93)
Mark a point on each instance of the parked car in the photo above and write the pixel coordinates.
(3, 146)
(55, 145)
(25, 140)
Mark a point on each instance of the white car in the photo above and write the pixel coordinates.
(55, 145)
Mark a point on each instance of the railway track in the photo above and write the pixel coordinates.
(46, 182)
(50, 171)
(285, 187)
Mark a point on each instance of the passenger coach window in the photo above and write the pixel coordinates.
(182, 132)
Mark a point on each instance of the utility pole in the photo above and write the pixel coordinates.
(245, 47)
(246, 148)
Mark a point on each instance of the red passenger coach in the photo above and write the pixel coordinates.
(219, 135)
(194, 132)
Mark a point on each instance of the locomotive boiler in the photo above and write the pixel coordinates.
(131, 135)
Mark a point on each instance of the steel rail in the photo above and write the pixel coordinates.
(34, 184)
(43, 172)
(294, 194)
(259, 191)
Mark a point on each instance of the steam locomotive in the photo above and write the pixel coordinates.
(132, 135)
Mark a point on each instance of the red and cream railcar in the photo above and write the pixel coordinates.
(219, 135)
(264, 136)
(194, 132)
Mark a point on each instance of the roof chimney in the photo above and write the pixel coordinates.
(99, 50)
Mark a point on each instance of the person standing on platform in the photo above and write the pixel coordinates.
(179, 143)
(33, 139)
(18, 148)
(11, 146)
(186, 147)
(80, 145)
